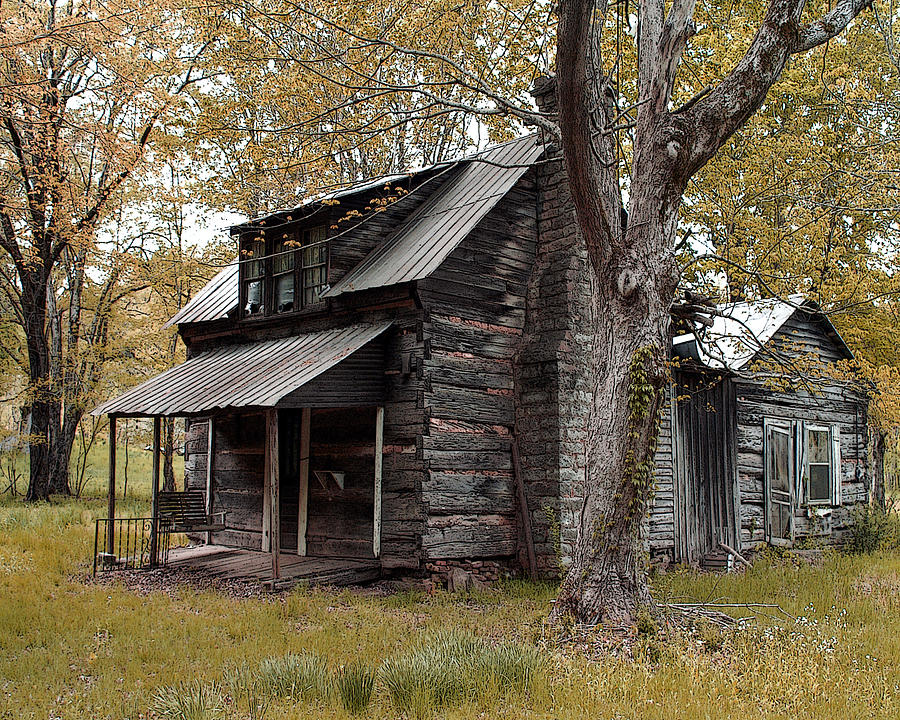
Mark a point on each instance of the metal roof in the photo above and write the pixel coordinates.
(741, 330)
(420, 244)
(256, 374)
(217, 298)
(444, 220)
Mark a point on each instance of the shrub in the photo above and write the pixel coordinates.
(189, 701)
(355, 684)
(293, 676)
(873, 529)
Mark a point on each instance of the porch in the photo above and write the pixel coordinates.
(227, 563)
(287, 484)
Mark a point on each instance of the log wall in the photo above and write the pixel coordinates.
(474, 318)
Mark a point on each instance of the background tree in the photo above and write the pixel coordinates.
(82, 85)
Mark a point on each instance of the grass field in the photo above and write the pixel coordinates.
(70, 648)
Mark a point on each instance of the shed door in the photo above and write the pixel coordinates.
(705, 477)
(779, 485)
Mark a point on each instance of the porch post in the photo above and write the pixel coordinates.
(271, 490)
(154, 523)
(303, 505)
(111, 509)
(379, 451)
(210, 462)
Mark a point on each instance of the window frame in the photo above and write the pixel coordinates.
(269, 277)
(828, 500)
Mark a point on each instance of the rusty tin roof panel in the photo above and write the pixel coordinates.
(256, 374)
(443, 221)
(217, 298)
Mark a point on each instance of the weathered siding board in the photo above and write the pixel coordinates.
(237, 474)
(661, 519)
(803, 334)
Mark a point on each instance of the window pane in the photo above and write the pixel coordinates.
(284, 258)
(819, 446)
(284, 293)
(313, 282)
(819, 482)
(780, 444)
(254, 290)
(254, 252)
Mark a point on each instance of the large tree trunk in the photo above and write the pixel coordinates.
(169, 455)
(34, 310)
(878, 447)
(606, 582)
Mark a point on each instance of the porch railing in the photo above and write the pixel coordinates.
(133, 545)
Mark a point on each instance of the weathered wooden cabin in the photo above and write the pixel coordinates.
(759, 443)
(397, 373)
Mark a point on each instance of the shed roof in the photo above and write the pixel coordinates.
(215, 301)
(419, 245)
(256, 374)
(741, 330)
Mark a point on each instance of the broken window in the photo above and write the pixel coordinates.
(254, 276)
(802, 468)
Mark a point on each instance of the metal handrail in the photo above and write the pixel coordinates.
(135, 543)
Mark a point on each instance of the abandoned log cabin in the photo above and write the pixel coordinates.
(397, 372)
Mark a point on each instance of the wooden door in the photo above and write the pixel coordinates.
(706, 502)
(779, 475)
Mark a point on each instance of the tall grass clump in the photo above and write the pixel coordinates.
(188, 701)
(355, 684)
(295, 676)
(451, 667)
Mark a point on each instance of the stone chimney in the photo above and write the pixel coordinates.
(553, 384)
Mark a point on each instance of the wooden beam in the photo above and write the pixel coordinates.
(154, 512)
(303, 499)
(379, 451)
(210, 464)
(271, 487)
(111, 508)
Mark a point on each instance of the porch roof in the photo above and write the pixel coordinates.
(258, 374)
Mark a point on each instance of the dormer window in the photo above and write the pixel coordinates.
(283, 274)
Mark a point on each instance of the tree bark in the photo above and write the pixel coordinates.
(633, 261)
(169, 455)
(878, 489)
(34, 310)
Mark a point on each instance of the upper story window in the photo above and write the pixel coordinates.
(284, 274)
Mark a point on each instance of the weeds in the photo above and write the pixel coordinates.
(873, 529)
(294, 676)
(450, 667)
(189, 701)
(355, 684)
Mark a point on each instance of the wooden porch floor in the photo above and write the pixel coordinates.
(226, 563)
